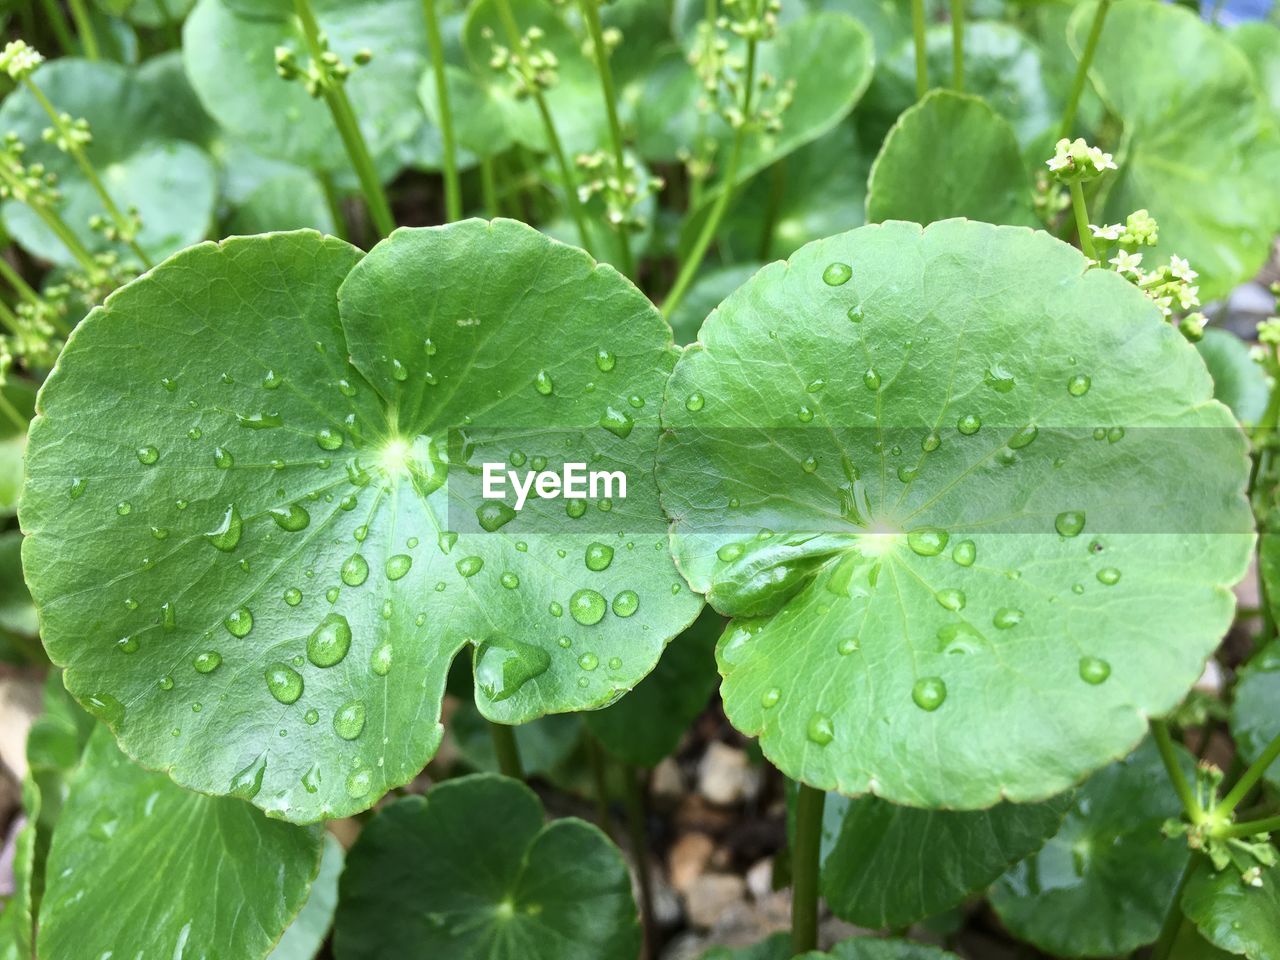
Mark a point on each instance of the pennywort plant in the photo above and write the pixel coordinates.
(933, 466)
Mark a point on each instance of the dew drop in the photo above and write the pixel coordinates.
(965, 553)
(929, 693)
(617, 422)
(77, 487)
(380, 659)
(599, 556)
(348, 722)
(207, 662)
(543, 383)
(1079, 385)
(847, 646)
(355, 570)
(260, 421)
(359, 784)
(770, 698)
(1007, 618)
(106, 708)
(695, 402)
(124, 508)
(329, 439)
(1094, 670)
(148, 455)
(820, 729)
(470, 566)
(509, 580)
(1023, 437)
(492, 515)
(239, 622)
(951, 599)
(222, 458)
(292, 518)
(809, 464)
(284, 682)
(1069, 523)
(587, 607)
(398, 565)
(999, 379)
(248, 781)
(293, 596)
(1108, 576)
(871, 379)
(398, 371)
(836, 274)
(927, 541)
(502, 667)
(930, 443)
(329, 641)
(605, 360)
(730, 552)
(227, 534)
(626, 603)
(969, 424)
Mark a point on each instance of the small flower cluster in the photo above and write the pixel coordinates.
(1170, 286)
(532, 68)
(320, 76)
(1074, 161)
(30, 184)
(1248, 855)
(723, 74)
(69, 133)
(18, 59)
(620, 191)
(127, 232)
(612, 38)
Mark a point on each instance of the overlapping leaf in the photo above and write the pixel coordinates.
(1255, 714)
(470, 872)
(966, 560)
(1200, 140)
(269, 486)
(1234, 916)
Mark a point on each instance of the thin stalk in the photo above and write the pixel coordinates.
(777, 189)
(1082, 70)
(1174, 919)
(922, 64)
(638, 834)
(1169, 756)
(334, 203)
(11, 413)
(591, 15)
(804, 869)
(15, 280)
(1250, 829)
(504, 744)
(598, 761)
(553, 138)
(57, 20)
(452, 185)
(8, 319)
(123, 225)
(488, 187)
(1248, 779)
(344, 118)
(84, 27)
(957, 44)
(709, 226)
(1082, 221)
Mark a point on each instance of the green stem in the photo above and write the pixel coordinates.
(344, 118)
(598, 761)
(1082, 221)
(56, 225)
(777, 189)
(1173, 920)
(1250, 829)
(553, 138)
(591, 14)
(689, 268)
(922, 64)
(8, 319)
(123, 224)
(57, 20)
(504, 744)
(1169, 756)
(488, 187)
(24, 289)
(452, 185)
(334, 203)
(804, 869)
(1082, 69)
(84, 27)
(957, 44)
(639, 836)
(1248, 779)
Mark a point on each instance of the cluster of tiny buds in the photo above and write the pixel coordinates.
(1269, 329)
(1074, 161)
(720, 72)
(612, 38)
(18, 59)
(1049, 197)
(320, 76)
(32, 185)
(620, 190)
(113, 232)
(749, 24)
(1169, 286)
(533, 68)
(68, 133)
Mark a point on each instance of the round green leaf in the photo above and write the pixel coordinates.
(148, 13)
(1255, 709)
(479, 120)
(1201, 146)
(136, 152)
(291, 200)
(1238, 380)
(142, 867)
(778, 947)
(647, 724)
(1001, 64)
(912, 465)
(888, 866)
(979, 175)
(275, 491)
(1232, 915)
(230, 59)
(471, 872)
(1103, 885)
(307, 933)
